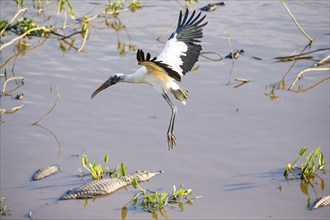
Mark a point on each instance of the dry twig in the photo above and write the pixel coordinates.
(305, 71)
(57, 99)
(10, 79)
(296, 22)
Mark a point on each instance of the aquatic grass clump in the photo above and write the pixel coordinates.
(156, 202)
(307, 171)
(3, 208)
(99, 172)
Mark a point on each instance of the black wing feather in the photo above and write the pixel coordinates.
(190, 31)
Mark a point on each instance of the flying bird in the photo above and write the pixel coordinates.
(179, 55)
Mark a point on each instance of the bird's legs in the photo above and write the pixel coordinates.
(170, 134)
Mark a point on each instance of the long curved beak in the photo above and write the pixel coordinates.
(105, 85)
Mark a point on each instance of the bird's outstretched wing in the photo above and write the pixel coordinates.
(155, 66)
(182, 49)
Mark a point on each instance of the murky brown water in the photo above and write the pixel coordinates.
(232, 143)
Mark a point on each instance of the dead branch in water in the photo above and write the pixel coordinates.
(23, 35)
(324, 61)
(57, 99)
(296, 22)
(11, 110)
(10, 79)
(305, 71)
(311, 87)
(232, 54)
(301, 54)
(55, 137)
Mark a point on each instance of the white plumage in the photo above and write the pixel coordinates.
(179, 55)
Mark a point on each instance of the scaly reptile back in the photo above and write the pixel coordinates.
(105, 186)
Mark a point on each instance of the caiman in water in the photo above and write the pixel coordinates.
(106, 186)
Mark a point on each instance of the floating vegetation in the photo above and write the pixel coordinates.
(52, 108)
(302, 56)
(23, 26)
(98, 171)
(19, 96)
(271, 94)
(299, 75)
(11, 110)
(234, 55)
(156, 202)
(242, 82)
(307, 172)
(212, 7)
(21, 79)
(3, 208)
(314, 162)
(316, 67)
(45, 172)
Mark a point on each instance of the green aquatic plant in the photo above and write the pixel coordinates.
(116, 7)
(156, 202)
(62, 4)
(191, 1)
(99, 172)
(3, 208)
(25, 26)
(307, 171)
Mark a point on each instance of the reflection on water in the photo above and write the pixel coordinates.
(55, 137)
(316, 185)
(302, 56)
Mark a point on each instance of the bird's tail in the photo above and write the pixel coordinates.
(180, 94)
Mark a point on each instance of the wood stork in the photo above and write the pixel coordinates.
(178, 57)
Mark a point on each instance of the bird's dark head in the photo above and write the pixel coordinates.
(111, 81)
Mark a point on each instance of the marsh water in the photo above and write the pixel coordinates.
(233, 141)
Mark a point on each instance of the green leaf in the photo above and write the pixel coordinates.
(135, 5)
(94, 175)
(106, 158)
(304, 187)
(135, 183)
(317, 151)
(302, 151)
(288, 167)
(70, 9)
(92, 165)
(321, 159)
(123, 169)
(60, 6)
(308, 201)
(84, 160)
(123, 212)
(181, 206)
(174, 189)
(85, 202)
(116, 174)
(99, 169)
(322, 184)
(20, 2)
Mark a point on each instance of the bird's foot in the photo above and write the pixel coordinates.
(171, 141)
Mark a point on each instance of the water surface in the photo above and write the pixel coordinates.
(232, 143)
